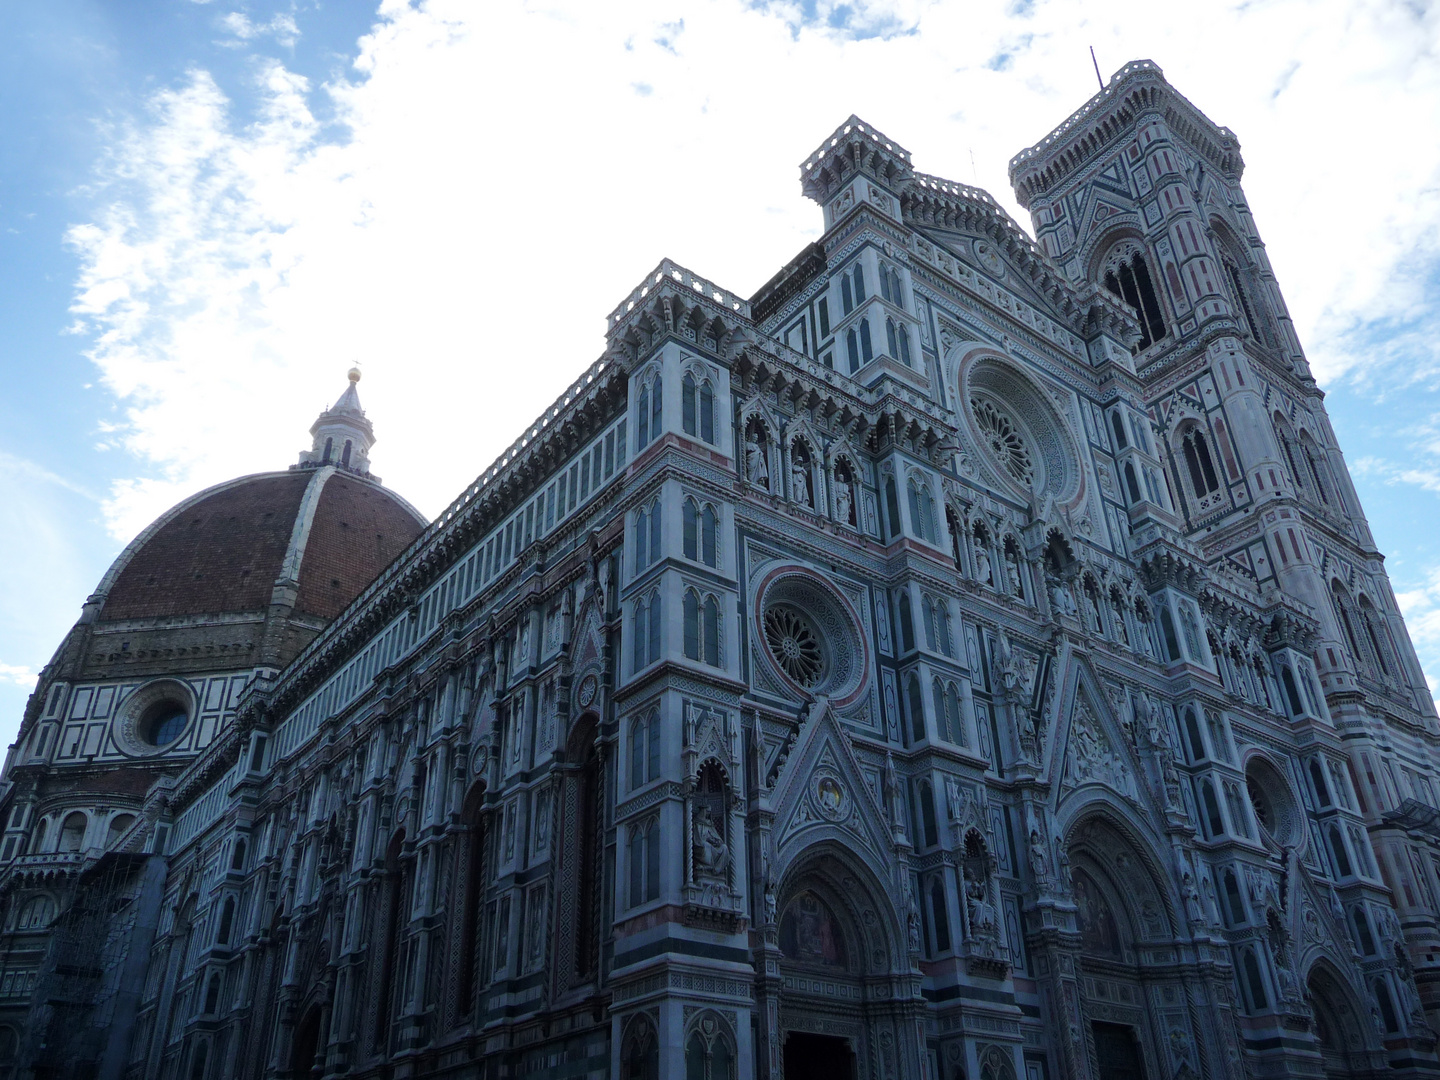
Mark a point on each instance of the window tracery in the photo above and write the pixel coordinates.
(1003, 440)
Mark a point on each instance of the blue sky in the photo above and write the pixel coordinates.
(209, 211)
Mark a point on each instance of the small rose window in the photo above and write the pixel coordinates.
(1003, 440)
(794, 644)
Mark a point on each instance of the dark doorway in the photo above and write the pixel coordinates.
(306, 1044)
(817, 1057)
(1117, 1052)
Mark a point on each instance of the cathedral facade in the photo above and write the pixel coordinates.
(966, 657)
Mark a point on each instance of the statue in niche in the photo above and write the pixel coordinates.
(982, 563)
(710, 850)
(800, 476)
(977, 869)
(1098, 932)
(1012, 565)
(712, 854)
(1039, 859)
(844, 499)
(756, 470)
(1062, 598)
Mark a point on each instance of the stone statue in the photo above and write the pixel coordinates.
(1039, 859)
(1062, 598)
(800, 482)
(912, 919)
(844, 502)
(982, 564)
(712, 854)
(756, 471)
(770, 902)
(983, 922)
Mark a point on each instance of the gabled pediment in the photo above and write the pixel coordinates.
(821, 791)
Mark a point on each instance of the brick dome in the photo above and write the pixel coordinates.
(225, 550)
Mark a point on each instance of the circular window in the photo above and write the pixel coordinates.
(811, 635)
(163, 722)
(1003, 440)
(1019, 430)
(795, 644)
(1272, 801)
(154, 717)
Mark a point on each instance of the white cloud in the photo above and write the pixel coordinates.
(281, 27)
(17, 675)
(496, 178)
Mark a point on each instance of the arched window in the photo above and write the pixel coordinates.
(907, 624)
(1192, 732)
(892, 506)
(1363, 937)
(647, 628)
(940, 918)
(890, 332)
(227, 922)
(200, 1060)
(904, 336)
(1292, 692)
(1199, 463)
(1314, 461)
(847, 294)
(648, 413)
(1167, 624)
(852, 350)
(1342, 609)
(922, 509)
(212, 994)
(645, 749)
(1129, 279)
(867, 350)
(1241, 296)
(690, 529)
(1342, 857)
(1132, 486)
(858, 276)
(1317, 777)
(237, 857)
(702, 628)
(709, 1058)
(1387, 1007)
(118, 825)
(1255, 995)
(647, 535)
(1233, 901)
(644, 857)
(329, 449)
(640, 1051)
(1118, 426)
(927, 613)
(937, 693)
(697, 408)
(72, 833)
(917, 707)
(927, 814)
(1375, 633)
(952, 709)
(37, 913)
(709, 541)
(1212, 808)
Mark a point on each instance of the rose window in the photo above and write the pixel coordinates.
(1003, 440)
(794, 644)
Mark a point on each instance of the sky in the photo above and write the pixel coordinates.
(209, 211)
